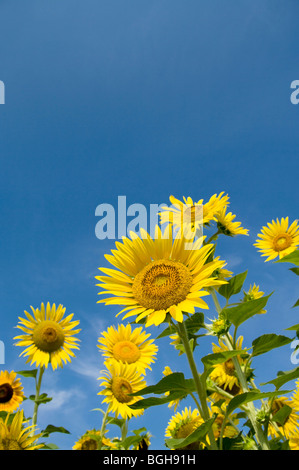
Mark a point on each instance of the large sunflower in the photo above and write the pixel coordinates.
(190, 215)
(159, 276)
(278, 239)
(49, 338)
(123, 344)
(15, 435)
(11, 391)
(119, 381)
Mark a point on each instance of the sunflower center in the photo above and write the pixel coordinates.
(126, 351)
(6, 392)
(90, 444)
(121, 389)
(48, 336)
(161, 284)
(282, 242)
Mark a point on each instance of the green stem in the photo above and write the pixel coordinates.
(37, 391)
(181, 328)
(102, 432)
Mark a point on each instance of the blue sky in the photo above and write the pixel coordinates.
(142, 99)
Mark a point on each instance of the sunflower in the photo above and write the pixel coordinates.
(48, 336)
(11, 391)
(91, 440)
(126, 345)
(278, 239)
(14, 436)
(224, 374)
(253, 293)
(119, 381)
(190, 215)
(181, 425)
(290, 427)
(158, 276)
(227, 225)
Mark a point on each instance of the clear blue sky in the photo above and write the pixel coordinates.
(142, 99)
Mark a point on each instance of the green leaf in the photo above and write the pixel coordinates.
(245, 310)
(220, 357)
(282, 415)
(283, 377)
(295, 270)
(156, 401)
(170, 383)
(50, 429)
(233, 286)
(296, 304)
(197, 435)
(290, 258)
(49, 447)
(267, 342)
(130, 441)
(243, 398)
(28, 373)
(43, 398)
(117, 421)
(294, 327)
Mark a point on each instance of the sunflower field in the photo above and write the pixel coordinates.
(163, 282)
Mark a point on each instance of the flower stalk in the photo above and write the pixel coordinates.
(204, 410)
(37, 394)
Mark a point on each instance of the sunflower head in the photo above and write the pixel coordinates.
(11, 391)
(128, 345)
(278, 239)
(119, 381)
(159, 277)
(16, 435)
(92, 440)
(224, 374)
(182, 424)
(48, 336)
(227, 225)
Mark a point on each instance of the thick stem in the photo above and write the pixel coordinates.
(37, 391)
(196, 376)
